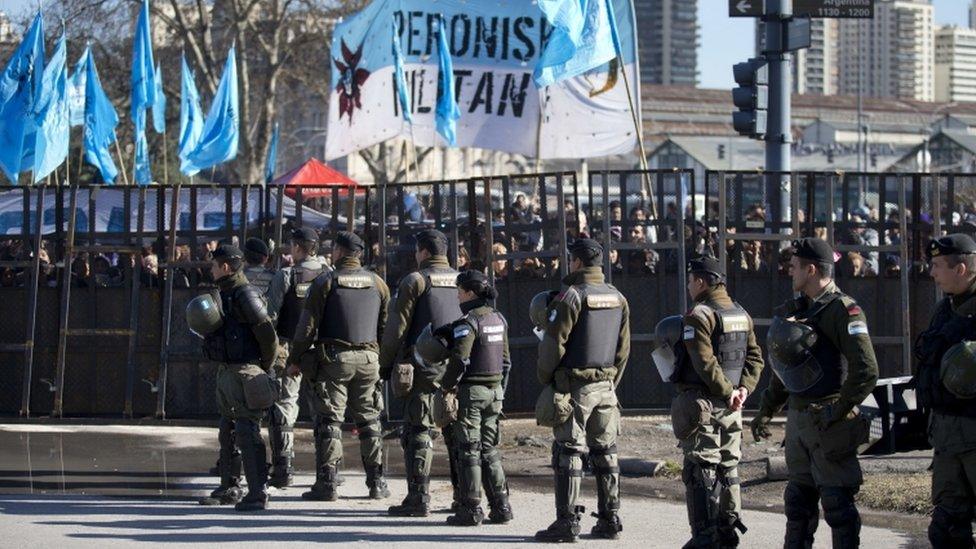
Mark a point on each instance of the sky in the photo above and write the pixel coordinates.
(717, 53)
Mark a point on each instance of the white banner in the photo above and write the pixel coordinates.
(495, 47)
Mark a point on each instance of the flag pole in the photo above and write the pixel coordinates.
(118, 151)
(633, 113)
(166, 160)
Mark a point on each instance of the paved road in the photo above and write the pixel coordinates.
(114, 486)
(45, 521)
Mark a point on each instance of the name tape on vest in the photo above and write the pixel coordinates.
(492, 329)
(603, 301)
(443, 280)
(301, 289)
(735, 323)
(495, 338)
(355, 281)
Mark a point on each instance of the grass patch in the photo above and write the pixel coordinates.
(671, 469)
(904, 493)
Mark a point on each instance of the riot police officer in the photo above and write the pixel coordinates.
(946, 385)
(583, 353)
(256, 254)
(345, 315)
(715, 366)
(245, 345)
(808, 342)
(286, 299)
(425, 297)
(478, 369)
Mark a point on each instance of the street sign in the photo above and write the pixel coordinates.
(831, 9)
(746, 8)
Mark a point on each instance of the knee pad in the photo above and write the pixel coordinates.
(369, 430)
(603, 460)
(225, 432)
(568, 458)
(697, 474)
(330, 431)
(248, 433)
(728, 476)
(489, 456)
(950, 529)
(418, 438)
(838, 504)
(800, 501)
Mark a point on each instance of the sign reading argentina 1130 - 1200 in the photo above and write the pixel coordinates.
(834, 9)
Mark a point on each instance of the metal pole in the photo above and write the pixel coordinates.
(58, 409)
(170, 273)
(779, 136)
(32, 304)
(906, 318)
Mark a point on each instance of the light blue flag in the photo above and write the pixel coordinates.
(53, 122)
(20, 87)
(143, 92)
(100, 122)
(581, 39)
(269, 163)
(401, 81)
(76, 90)
(191, 115)
(218, 143)
(143, 67)
(159, 105)
(447, 112)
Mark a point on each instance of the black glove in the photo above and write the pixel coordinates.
(760, 427)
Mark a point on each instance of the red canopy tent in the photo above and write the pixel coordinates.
(317, 180)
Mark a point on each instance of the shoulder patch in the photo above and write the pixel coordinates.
(552, 315)
(688, 333)
(462, 330)
(853, 310)
(857, 327)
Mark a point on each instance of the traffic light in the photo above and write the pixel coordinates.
(751, 97)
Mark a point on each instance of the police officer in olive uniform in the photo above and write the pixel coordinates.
(478, 369)
(246, 347)
(286, 300)
(583, 353)
(946, 385)
(717, 366)
(256, 254)
(808, 343)
(427, 296)
(345, 315)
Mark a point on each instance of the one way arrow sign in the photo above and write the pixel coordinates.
(746, 8)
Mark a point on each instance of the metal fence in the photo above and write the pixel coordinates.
(91, 326)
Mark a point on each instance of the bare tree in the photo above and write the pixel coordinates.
(282, 48)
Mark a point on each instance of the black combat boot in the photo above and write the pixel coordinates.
(376, 482)
(417, 502)
(230, 491)
(325, 487)
(608, 524)
(255, 459)
(282, 475)
(566, 528)
(501, 509)
(470, 514)
(702, 505)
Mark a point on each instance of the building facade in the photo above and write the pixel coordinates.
(668, 41)
(892, 55)
(955, 64)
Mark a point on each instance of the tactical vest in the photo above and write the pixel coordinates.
(730, 342)
(259, 277)
(488, 351)
(301, 279)
(352, 308)
(438, 305)
(593, 341)
(234, 342)
(831, 360)
(947, 329)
